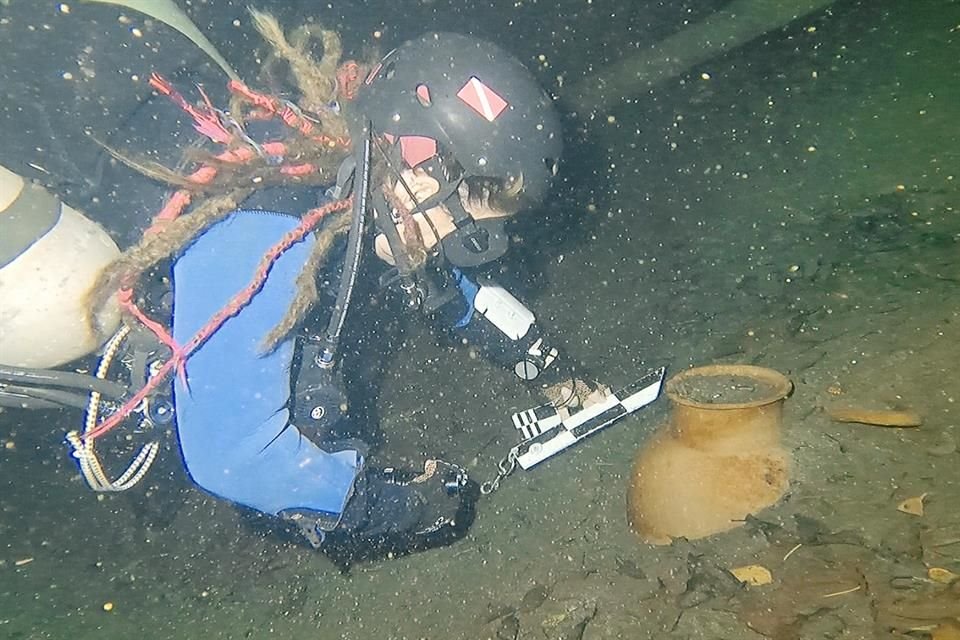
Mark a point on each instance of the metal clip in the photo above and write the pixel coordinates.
(505, 467)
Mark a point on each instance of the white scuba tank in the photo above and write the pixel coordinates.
(50, 257)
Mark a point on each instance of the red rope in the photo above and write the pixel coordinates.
(281, 109)
(125, 297)
(240, 300)
(297, 169)
(206, 120)
(179, 201)
(170, 211)
(349, 78)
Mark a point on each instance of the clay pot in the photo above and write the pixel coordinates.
(717, 460)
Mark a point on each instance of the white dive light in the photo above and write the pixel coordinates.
(503, 310)
(546, 433)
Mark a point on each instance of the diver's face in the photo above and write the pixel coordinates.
(437, 223)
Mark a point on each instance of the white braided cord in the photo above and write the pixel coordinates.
(84, 451)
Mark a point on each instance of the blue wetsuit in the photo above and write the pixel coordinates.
(233, 422)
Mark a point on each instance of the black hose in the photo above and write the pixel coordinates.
(386, 226)
(14, 401)
(54, 378)
(37, 398)
(351, 264)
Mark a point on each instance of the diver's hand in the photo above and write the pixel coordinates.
(576, 394)
(600, 393)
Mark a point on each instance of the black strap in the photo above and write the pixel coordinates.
(29, 217)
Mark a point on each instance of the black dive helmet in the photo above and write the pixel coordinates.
(448, 95)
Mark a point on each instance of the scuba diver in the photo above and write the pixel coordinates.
(434, 147)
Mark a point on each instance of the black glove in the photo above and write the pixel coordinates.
(395, 512)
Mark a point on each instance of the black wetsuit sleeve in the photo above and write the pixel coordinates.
(502, 329)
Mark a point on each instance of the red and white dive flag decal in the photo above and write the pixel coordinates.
(482, 99)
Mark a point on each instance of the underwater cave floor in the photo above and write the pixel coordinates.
(812, 229)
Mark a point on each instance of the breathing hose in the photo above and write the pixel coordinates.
(408, 282)
(351, 265)
(54, 378)
(17, 396)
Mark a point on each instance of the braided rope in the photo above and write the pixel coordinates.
(84, 450)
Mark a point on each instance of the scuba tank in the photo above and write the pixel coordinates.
(50, 258)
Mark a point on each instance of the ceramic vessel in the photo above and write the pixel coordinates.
(717, 460)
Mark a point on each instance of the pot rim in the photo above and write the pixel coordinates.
(782, 386)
